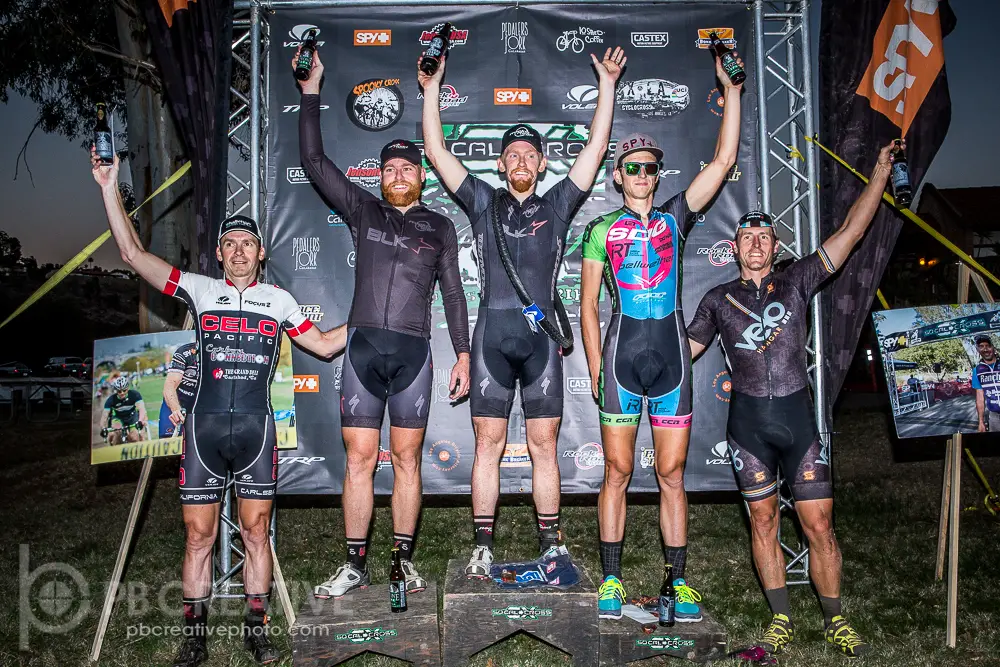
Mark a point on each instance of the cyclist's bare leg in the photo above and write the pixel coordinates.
(114, 438)
(542, 435)
(619, 450)
(201, 524)
(255, 519)
(825, 560)
(767, 556)
(359, 490)
(491, 439)
(406, 445)
(670, 446)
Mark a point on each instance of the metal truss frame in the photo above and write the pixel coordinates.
(788, 174)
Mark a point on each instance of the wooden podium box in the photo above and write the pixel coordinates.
(328, 632)
(477, 615)
(624, 641)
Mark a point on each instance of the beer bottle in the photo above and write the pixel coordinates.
(667, 597)
(901, 190)
(397, 584)
(431, 59)
(304, 65)
(730, 65)
(102, 136)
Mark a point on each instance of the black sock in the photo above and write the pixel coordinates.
(484, 530)
(196, 616)
(256, 609)
(611, 558)
(676, 557)
(405, 544)
(548, 530)
(831, 608)
(777, 599)
(357, 552)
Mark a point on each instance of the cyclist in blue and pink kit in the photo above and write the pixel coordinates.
(638, 250)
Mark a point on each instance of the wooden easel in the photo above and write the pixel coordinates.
(951, 486)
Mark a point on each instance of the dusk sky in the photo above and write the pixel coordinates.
(61, 211)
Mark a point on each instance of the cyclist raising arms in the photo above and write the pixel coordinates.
(125, 405)
(504, 349)
(238, 323)
(638, 249)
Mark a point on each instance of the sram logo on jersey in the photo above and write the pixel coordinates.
(766, 328)
(618, 233)
(227, 324)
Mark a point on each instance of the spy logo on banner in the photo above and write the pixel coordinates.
(375, 104)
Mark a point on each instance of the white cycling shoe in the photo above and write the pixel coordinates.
(346, 579)
(479, 564)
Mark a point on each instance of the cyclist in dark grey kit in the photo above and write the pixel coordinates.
(402, 248)
(762, 319)
(238, 324)
(505, 349)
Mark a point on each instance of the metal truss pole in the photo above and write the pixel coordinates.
(788, 186)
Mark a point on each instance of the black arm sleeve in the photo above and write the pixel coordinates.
(703, 327)
(341, 193)
(456, 310)
(677, 206)
(565, 198)
(474, 196)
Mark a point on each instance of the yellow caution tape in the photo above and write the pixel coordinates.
(885, 304)
(82, 256)
(135, 451)
(913, 216)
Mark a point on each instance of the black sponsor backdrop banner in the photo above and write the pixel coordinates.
(501, 59)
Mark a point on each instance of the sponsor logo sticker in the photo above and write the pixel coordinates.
(296, 175)
(727, 36)
(373, 38)
(444, 455)
(298, 33)
(514, 35)
(305, 384)
(652, 98)
(522, 613)
(715, 102)
(586, 457)
(305, 249)
(650, 39)
(366, 173)
(375, 104)
(512, 96)
(581, 98)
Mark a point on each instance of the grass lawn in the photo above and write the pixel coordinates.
(63, 511)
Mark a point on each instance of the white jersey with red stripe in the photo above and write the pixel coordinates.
(239, 336)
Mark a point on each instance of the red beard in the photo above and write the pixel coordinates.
(406, 198)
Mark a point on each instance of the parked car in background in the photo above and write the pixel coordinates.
(66, 366)
(14, 369)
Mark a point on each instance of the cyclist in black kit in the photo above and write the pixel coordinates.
(505, 349)
(402, 247)
(230, 429)
(125, 405)
(179, 389)
(762, 318)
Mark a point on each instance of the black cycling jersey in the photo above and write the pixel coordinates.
(123, 409)
(398, 255)
(536, 236)
(763, 329)
(185, 362)
(239, 334)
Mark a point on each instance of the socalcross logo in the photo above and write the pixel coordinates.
(907, 54)
(765, 328)
(652, 98)
(365, 635)
(661, 643)
(375, 104)
(522, 613)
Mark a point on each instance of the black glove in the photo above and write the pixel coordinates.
(139, 425)
(104, 432)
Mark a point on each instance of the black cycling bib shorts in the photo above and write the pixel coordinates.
(230, 428)
(382, 366)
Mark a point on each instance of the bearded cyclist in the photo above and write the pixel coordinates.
(230, 430)
(505, 348)
(638, 249)
(762, 321)
(403, 248)
(127, 407)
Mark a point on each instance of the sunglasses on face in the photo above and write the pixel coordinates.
(633, 168)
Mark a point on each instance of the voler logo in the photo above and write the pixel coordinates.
(457, 38)
(720, 253)
(722, 386)
(647, 458)
(223, 300)
(590, 455)
(305, 249)
(720, 455)
(366, 173)
(296, 175)
(444, 455)
(765, 328)
(448, 98)
(512, 96)
(375, 104)
(312, 312)
(581, 98)
(650, 39)
(373, 38)
(653, 98)
(298, 33)
(704, 40)
(579, 386)
(294, 108)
